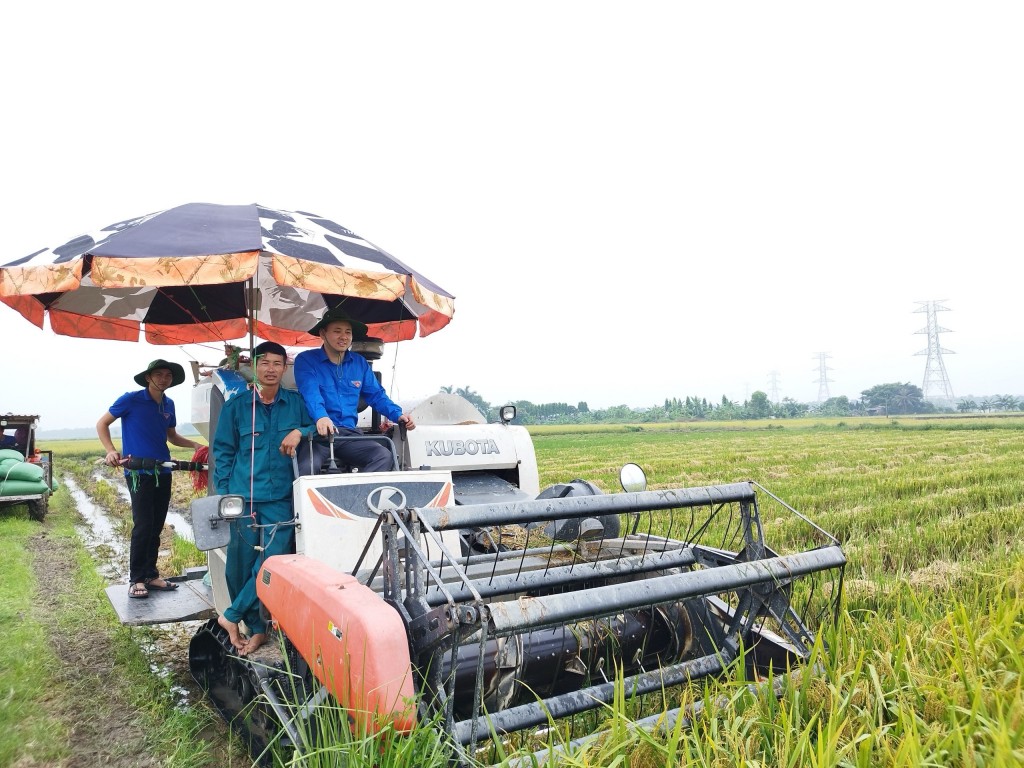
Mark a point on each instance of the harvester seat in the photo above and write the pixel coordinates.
(305, 463)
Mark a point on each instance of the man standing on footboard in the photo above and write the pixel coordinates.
(256, 436)
(148, 424)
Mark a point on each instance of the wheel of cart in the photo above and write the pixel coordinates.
(38, 505)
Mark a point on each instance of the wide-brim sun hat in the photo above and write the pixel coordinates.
(336, 314)
(177, 372)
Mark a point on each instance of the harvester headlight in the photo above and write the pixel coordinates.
(231, 507)
(633, 478)
(506, 413)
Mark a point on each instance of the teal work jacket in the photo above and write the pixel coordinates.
(247, 459)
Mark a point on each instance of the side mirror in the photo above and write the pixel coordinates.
(632, 478)
(210, 518)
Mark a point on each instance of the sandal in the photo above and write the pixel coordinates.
(167, 586)
(137, 590)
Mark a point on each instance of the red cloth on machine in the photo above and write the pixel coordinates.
(200, 477)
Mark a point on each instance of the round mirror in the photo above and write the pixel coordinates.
(632, 478)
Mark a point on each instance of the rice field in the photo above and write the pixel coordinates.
(924, 666)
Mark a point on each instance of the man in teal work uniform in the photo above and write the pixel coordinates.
(256, 436)
(331, 380)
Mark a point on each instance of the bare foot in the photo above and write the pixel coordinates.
(232, 629)
(254, 642)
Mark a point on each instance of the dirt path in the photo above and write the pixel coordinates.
(95, 701)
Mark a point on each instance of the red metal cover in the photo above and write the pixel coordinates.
(354, 642)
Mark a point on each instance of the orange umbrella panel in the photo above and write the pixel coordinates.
(203, 272)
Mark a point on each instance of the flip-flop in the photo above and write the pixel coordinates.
(168, 586)
(137, 592)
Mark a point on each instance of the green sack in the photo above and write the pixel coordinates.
(22, 487)
(22, 471)
(10, 453)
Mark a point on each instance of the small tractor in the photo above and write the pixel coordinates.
(454, 591)
(26, 473)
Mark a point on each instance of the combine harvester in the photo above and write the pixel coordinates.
(454, 591)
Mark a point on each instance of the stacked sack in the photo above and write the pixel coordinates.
(19, 477)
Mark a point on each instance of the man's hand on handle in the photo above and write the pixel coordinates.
(291, 442)
(325, 427)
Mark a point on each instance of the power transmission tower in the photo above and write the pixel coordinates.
(823, 378)
(936, 381)
(773, 380)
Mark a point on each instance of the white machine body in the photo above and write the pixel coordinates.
(337, 514)
(452, 457)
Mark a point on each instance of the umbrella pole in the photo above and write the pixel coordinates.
(251, 319)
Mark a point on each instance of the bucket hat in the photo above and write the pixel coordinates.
(177, 372)
(332, 315)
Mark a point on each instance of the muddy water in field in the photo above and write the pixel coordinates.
(165, 645)
(108, 548)
(175, 519)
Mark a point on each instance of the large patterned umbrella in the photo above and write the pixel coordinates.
(203, 272)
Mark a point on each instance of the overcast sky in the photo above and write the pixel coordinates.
(629, 201)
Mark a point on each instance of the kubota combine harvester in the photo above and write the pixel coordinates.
(454, 591)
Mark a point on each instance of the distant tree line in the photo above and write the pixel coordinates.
(894, 399)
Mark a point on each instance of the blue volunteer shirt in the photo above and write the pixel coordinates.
(334, 390)
(144, 425)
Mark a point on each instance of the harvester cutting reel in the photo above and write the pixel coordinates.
(510, 641)
(507, 641)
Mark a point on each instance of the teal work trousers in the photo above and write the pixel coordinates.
(273, 532)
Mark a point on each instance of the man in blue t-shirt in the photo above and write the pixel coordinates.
(148, 423)
(331, 380)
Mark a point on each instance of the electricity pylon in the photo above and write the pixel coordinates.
(773, 378)
(936, 380)
(823, 378)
